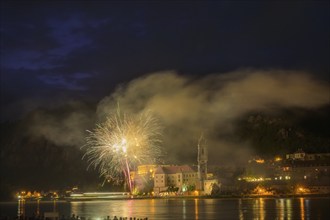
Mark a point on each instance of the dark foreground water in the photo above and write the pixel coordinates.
(254, 208)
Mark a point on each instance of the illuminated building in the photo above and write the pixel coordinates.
(209, 185)
(179, 178)
(146, 169)
(143, 178)
(302, 156)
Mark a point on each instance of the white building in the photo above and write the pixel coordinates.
(179, 178)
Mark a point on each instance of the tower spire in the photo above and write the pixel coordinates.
(202, 161)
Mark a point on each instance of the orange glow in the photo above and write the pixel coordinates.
(262, 191)
(302, 190)
(278, 159)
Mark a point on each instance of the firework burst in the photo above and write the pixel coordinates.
(121, 143)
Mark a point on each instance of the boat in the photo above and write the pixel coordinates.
(87, 196)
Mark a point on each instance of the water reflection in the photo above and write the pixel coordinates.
(302, 208)
(196, 209)
(21, 208)
(129, 207)
(54, 205)
(240, 210)
(262, 210)
(284, 209)
(75, 207)
(307, 208)
(184, 209)
(209, 206)
(38, 207)
(288, 209)
(259, 209)
(280, 208)
(152, 206)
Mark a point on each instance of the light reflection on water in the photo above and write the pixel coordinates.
(183, 209)
(259, 209)
(21, 208)
(289, 208)
(280, 209)
(240, 210)
(284, 208)
(194, 208)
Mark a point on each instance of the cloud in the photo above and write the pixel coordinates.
(70, 35)
(27, 59)
(188, 106)
(69, 81)
(47, 42)
(81, 75)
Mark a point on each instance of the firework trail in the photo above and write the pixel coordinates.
(121, 143)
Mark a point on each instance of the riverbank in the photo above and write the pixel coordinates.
(184, 197)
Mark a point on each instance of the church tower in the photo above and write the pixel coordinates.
(202, 162)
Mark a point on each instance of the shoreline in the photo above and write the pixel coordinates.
(180, 197)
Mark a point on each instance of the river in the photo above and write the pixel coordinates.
(183, 208)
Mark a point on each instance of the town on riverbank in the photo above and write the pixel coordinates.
(294, 174)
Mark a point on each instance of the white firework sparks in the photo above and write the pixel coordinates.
(121, 143)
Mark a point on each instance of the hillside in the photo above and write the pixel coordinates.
(287, 131)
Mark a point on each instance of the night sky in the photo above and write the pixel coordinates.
(231, 70)
(80, 50)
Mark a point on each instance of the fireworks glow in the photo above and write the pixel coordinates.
(122, 142)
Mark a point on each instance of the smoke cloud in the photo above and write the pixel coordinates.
(188, 107)
(64, 126)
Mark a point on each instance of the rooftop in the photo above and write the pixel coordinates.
(174, 169)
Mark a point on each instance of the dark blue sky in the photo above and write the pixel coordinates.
(58, 51)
